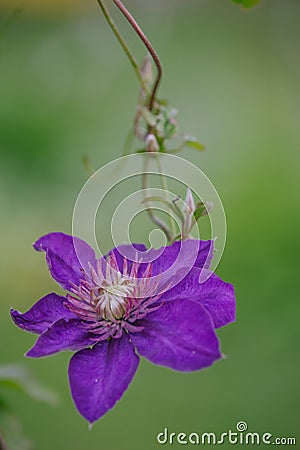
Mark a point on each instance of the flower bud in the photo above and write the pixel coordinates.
(188, 212)
(189, 204)
(151, 143)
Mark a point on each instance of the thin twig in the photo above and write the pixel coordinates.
(136, 67)
(122, 42)
(148, 45)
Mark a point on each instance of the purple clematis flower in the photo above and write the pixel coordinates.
(117, 308)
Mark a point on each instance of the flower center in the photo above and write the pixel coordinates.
(111, 298)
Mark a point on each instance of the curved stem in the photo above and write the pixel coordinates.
(148, 45)
(139, 74)
(122, 42)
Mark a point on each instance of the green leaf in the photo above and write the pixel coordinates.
(246, 3)
(20, 379)
(193, 143)
(200, 211)
(162, 102)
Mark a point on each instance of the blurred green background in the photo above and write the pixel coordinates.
(67, 90)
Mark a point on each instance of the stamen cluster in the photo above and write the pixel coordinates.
(108, 300)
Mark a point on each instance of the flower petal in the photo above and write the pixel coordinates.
(214, 294)
(67, 257)
(205, 254)
(100, 375)
(43, 314)
(179, 335)
(218, 298)
(190, 253)
(63, 335)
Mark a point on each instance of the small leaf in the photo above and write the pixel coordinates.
(193, 143)
(199, 213)
(202, 210)
(246, 3)
(163, 102)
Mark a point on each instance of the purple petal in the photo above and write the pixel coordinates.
(43, 314)
(100, 375)
(205, 254)
(67, 257)
(179, 335)
(214, 294)
(63, 335)
(190, 253)
(171, 264)
(218, 299)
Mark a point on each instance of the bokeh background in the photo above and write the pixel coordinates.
(67, 90)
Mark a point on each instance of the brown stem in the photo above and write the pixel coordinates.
(148, 45)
